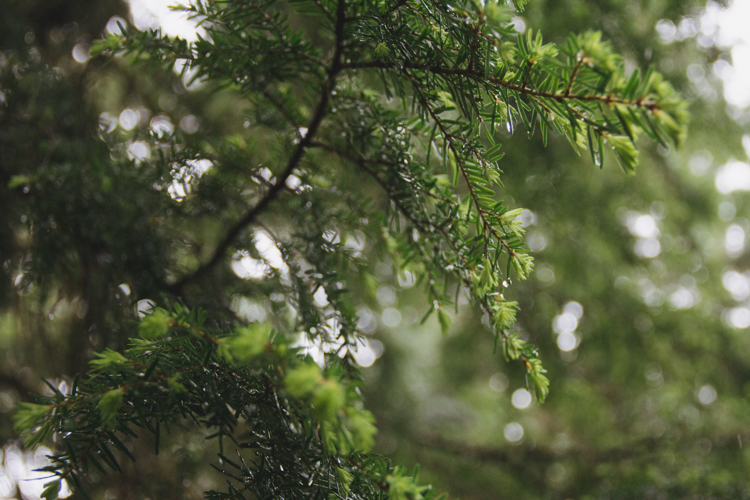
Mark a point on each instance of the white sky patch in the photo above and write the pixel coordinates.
(17, 469)
(293, 182)
(329, 340)
(320, 297)
(366, 351)
(185, 177)
(139, 151)
(247, 267)
(728, 30)
(268, 250)
(356, 242)
(312, 347)
(154, 14)
(247, 309)
(725, 28)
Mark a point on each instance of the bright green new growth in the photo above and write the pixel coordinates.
(303, 380)
(109, 406)
(247, 343)
(28, 415)
(154, 325)
(106, 358)
(401, 100)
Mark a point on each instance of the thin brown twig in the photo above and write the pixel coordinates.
(574, 74)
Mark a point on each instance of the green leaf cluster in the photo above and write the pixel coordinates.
(379, 133)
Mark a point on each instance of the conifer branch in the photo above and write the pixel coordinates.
(449, 138)
(480, 77)
(294, 160)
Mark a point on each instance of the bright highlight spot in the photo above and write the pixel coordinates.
(139, 151)
(114, 23)
(643, 226)
(268, 250)
(155, 14)
(144, 307)
(706, 395)
(737, 284)
(363, 353)
(246, 267)
(565, 322)
(521, 399)
(734, 176)
(129, 118)
(574, 308)
(81, 52)
(161, 125)
(734, 241)
(738, 317)
(567, 341)
(20, 469)
(513, 432)
(526, 218)
(647, 248)
(320, 297)
(682, 298)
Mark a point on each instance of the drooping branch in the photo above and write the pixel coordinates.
(449, 139)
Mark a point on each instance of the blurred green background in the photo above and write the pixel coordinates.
(639, 302)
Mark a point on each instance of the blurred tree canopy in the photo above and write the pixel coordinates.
(227, 261)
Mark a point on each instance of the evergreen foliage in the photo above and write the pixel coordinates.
(346, 102)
